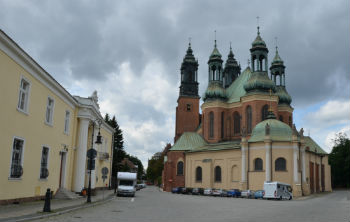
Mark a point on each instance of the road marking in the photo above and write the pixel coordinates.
(132, 199)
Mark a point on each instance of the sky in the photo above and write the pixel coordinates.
(131, 52)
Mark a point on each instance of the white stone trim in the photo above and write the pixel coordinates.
(22, 157)
(53, 110)
(9, 47)
(48, 159)
(26, 111)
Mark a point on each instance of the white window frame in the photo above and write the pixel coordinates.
(48, 158)
(67, 122)
(50, 122)
(20, 90)
(22, 157)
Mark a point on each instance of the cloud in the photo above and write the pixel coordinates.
(131, 52)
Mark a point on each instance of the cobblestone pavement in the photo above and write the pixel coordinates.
(152, 205)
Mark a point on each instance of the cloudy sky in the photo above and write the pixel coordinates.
(131, 52)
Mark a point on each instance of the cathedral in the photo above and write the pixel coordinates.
(244, 134)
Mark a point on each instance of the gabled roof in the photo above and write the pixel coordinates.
(188, 141)
(313, 146)
(229, 145)
(236, 90)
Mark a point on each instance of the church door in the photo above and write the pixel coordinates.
(311, 166)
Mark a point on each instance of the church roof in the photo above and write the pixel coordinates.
(313, 146)
(229, 145)
(215, 91)
(279, 131)
(283, 95)
(188, 141)
(236, 90)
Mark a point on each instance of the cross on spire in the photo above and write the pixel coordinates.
(215, 37)
(276, 43)
(257, 24)
(189, 41)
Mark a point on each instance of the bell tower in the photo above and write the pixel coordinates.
(187, 110)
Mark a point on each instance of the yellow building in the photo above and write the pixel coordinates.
(45, 132)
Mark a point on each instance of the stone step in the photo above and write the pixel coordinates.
(66, 194)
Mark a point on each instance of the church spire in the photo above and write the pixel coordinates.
(231, 70)
(189, 74)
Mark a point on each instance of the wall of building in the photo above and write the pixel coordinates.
(31, 127)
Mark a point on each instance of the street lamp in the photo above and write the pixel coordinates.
(92, 154)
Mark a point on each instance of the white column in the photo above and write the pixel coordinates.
(79, 173)
(244, 173)
(93, 172)
(303, 164)
(268, 160)
(295, 162)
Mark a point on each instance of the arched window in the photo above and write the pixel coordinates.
(199, 174)
(217, 174)
(211, 125)
(249, 119)
(264, 112)
(258, 164)
(280, 164)
(237, 123)
(222, 124)
(281, 118)
(180, 168)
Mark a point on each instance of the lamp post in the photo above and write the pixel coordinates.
(92, 154)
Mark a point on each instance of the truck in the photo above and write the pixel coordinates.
(126, 184)
(277, 190)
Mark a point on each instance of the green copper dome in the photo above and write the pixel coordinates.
(259, 81)
(215, 54)
(283, 95)
(215, 91)
(279, 131)
(258, 42)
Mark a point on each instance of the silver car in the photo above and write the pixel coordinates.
(208, 192)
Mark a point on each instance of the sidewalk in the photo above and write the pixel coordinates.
(33, 210)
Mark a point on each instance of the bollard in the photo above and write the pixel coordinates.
(47, 207)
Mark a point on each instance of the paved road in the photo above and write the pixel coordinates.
(153, 205)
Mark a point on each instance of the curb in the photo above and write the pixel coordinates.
(60, 211)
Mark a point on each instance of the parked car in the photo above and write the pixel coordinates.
(138, 187)
(259, 194)
(224, 193)
(234, 193)
(219, 193)
(142, 185)
(175, 190)
(185, 190)
(201, 191)
(247, 193)
(195, 191)
(208, 192)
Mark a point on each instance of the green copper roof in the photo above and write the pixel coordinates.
(215, 54)
(259, 42)
(236, 90)
(279, 131)
(215, 91)
(284, 97)
(313, 146)
(259, 81)
(229, 145)
(277, 58)
(188, 141)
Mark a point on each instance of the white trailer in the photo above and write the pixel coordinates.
(126, 184)
(277, 190)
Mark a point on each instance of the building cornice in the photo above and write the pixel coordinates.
(15, 52)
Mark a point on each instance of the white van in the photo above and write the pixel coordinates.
(126, 184)
(277, 190)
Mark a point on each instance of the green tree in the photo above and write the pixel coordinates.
(339, 159)
(139, 164)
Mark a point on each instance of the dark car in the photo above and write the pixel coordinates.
(201, 191)
(180, 190)
(195, 191)
(175, 190)
(185, 190)
(234, 193)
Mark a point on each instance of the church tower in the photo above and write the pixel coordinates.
(232, 69)
(187, 110)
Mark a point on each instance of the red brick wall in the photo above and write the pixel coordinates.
(186, 121)
(286, 115)
(170, 179)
